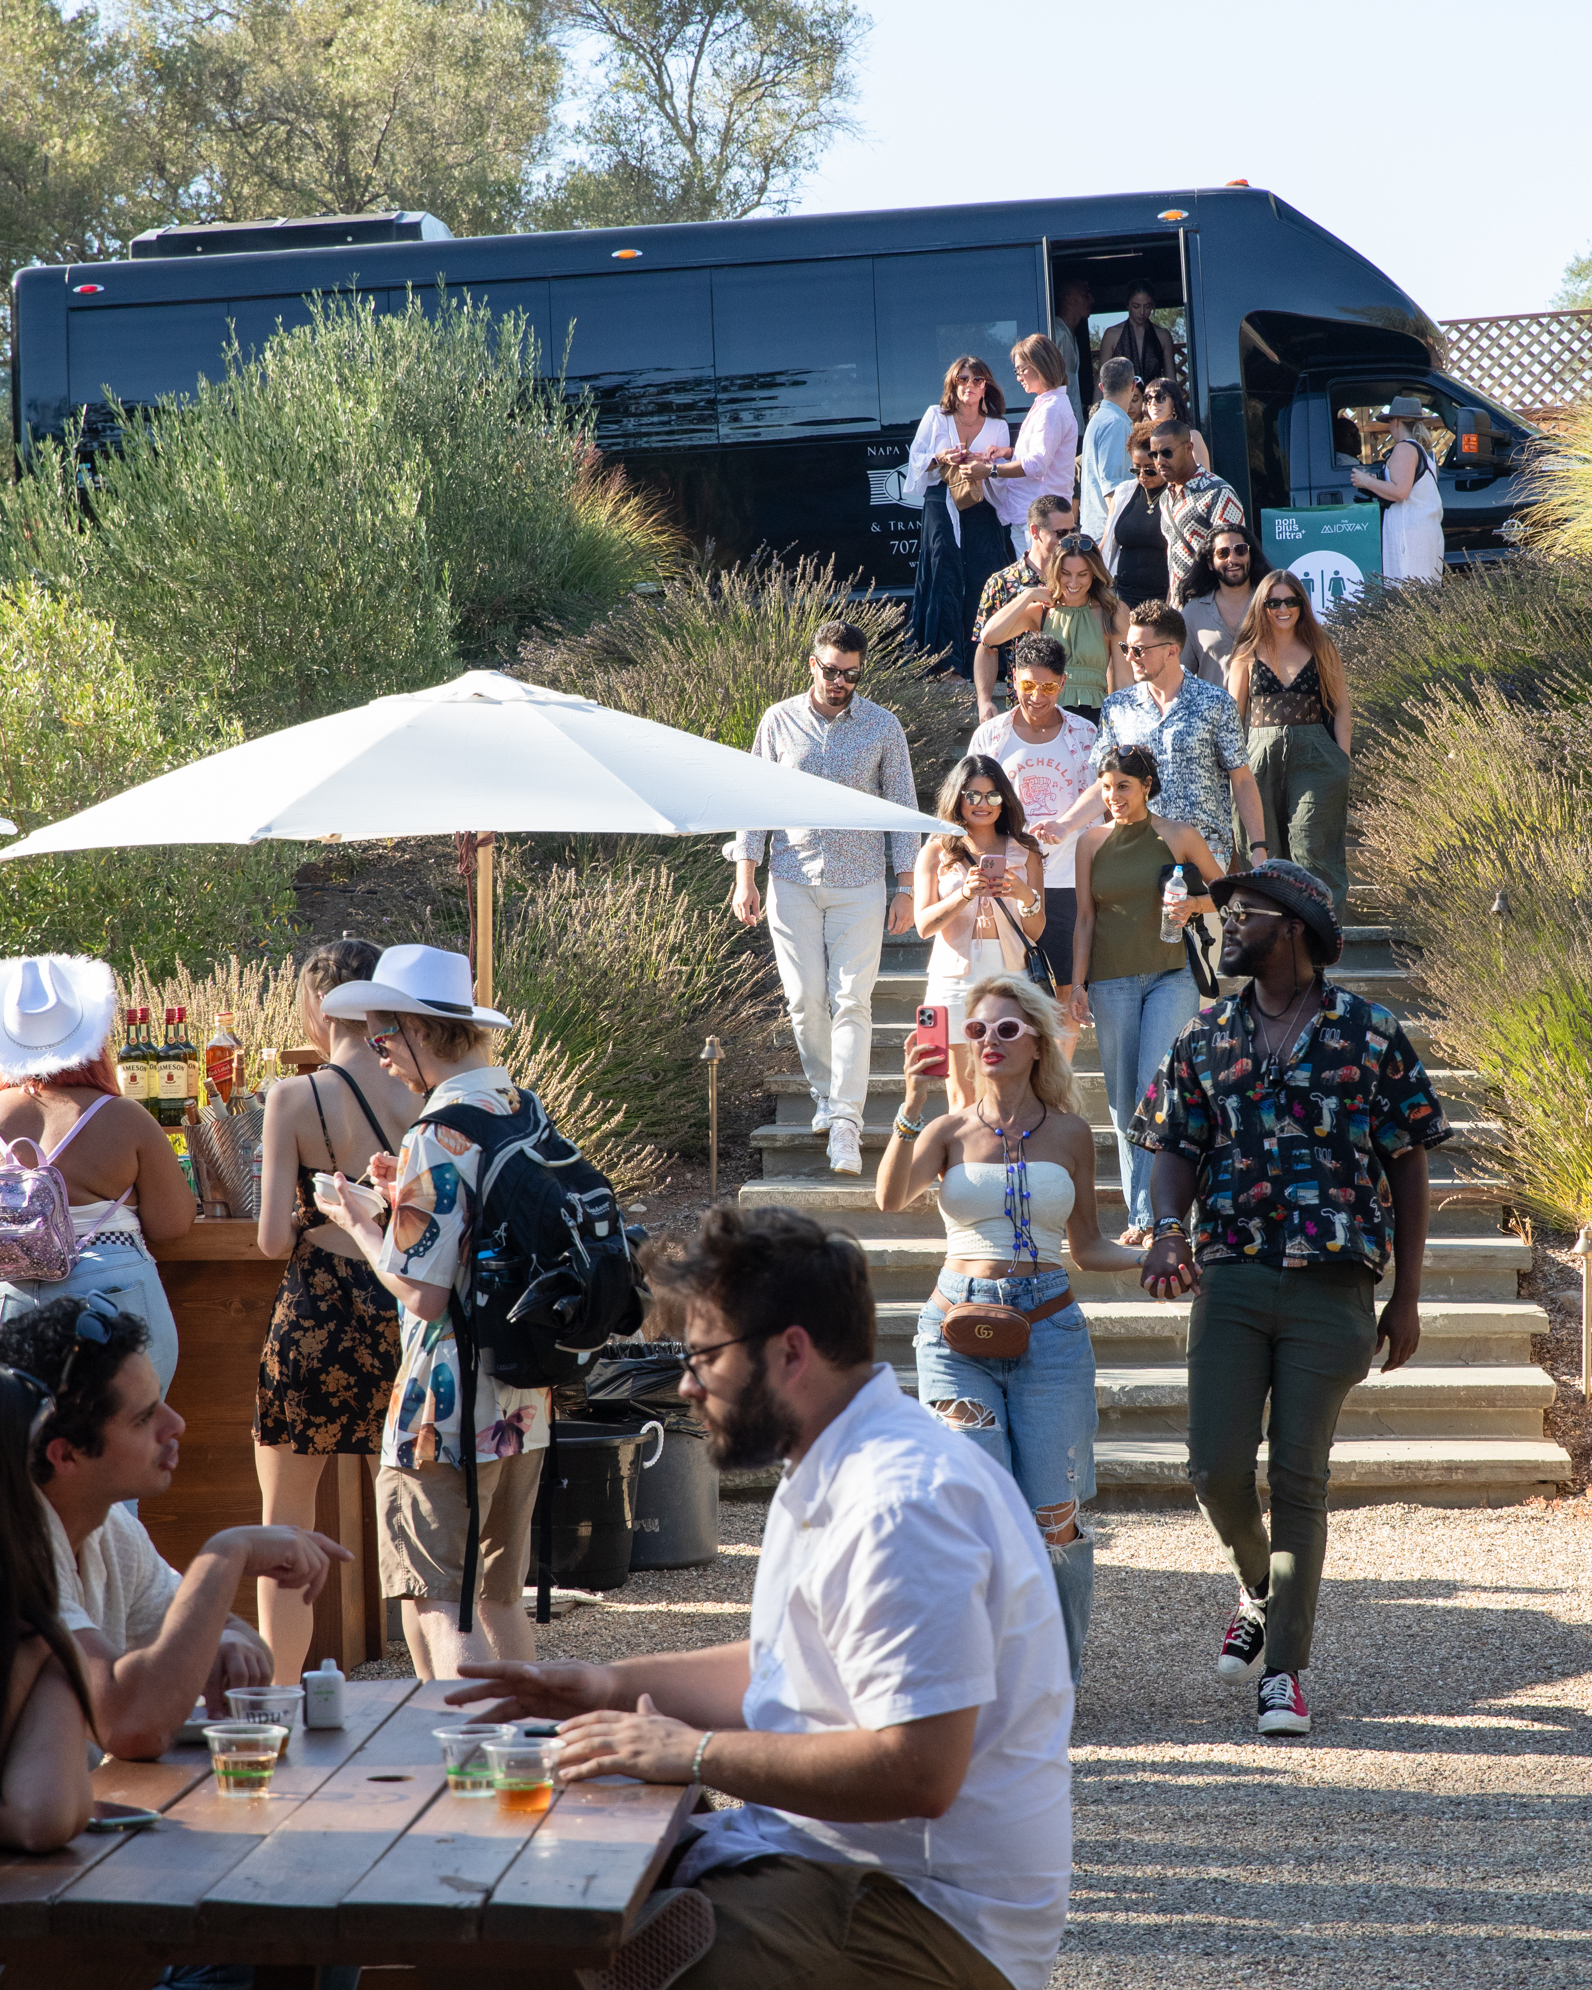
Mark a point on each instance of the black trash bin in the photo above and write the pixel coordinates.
(594, 1512)
(677, 1502)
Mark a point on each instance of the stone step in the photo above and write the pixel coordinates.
(1465, 1469)
(1430, 1400)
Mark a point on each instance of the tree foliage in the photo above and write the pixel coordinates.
(1575, 287)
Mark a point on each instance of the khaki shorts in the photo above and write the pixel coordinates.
(422, 1518)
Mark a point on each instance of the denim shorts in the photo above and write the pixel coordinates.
(1041, 1415)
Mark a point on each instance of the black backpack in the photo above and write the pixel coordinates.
(555, 1275)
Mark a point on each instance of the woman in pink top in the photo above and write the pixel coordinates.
(1044, 459)
(956, 901)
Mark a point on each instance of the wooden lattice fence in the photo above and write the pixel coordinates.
(1539, 363)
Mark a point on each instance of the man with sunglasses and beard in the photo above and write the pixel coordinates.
(1295, 1116)
(827, 913)
(896, 1724)
(1217, 599)
(1195, 506)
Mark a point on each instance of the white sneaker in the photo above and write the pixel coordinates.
(845, 1148)
(821, 1119)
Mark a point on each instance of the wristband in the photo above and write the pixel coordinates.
(701, 1750)
(1170, 1226)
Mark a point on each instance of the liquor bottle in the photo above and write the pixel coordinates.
(172, 1076)
(223, 1054)
(130, 1072)
(190, 1057)
(151, 1057)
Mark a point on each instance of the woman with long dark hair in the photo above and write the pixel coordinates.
(962, 542)
(1133, 548)
(1076, 604)
(45, 1717)
(979, 897)
(1291, 690)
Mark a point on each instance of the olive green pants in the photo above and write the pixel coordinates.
(1303, 1338)
(1303, 777)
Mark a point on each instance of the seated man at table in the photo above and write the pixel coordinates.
(150, 1640)
(896, 1726)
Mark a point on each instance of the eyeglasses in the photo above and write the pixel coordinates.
(44, 1402)
(1078, 542)
(688, 1362)
(981, 798)
(1134, 651)
(1030, 687)
(98, 1307)
(833, 676)
(1282, 604)
(1235, 915)
(1006, 1030)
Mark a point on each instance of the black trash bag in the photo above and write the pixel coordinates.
(633, 1380)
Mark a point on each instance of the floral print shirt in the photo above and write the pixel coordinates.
(1289, 1153)
(1197, 742)
(428, 1239)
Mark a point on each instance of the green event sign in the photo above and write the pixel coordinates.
(1333, 549)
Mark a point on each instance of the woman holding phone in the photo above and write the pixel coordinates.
(1015, 1172)
(979, 896)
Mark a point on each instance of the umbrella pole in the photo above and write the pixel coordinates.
(484, 907)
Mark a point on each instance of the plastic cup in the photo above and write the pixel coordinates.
(522, 1771)
(267, 1706)
(464, 1752)
(243, 1756)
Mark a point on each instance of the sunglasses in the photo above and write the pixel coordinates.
(1078, 542)
(44, 1402)
(98, 1308)
(1007, 1030)
(1163, 455)
(1236, 915)
(1030, 687)
(831, 676)
(1134, 651)
(1282, 604)
(377, 1040)
(981, 799)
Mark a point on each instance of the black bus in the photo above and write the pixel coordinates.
(769, 374)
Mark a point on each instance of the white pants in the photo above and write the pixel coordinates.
(826, 941)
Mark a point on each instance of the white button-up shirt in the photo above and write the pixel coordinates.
(1047, 448)
(937, 433)
(903, 1577)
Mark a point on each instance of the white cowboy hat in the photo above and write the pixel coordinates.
(414, 981)
(56, 1012)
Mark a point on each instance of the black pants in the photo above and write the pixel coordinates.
(1055, 943)
(951, 578)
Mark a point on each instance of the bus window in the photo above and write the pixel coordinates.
(1360, 433)
(794, 347)
(255, 319)
(641, 344)
(143, 350)
(932, 309)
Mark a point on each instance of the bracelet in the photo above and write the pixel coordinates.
(908, 1129)
(701, 1750)
(1170, 1226)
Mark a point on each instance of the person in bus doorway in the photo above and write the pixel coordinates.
(1072, 337)
(826, 898)
(992, 662)
(1043, 462)
(1133, 546)
(1106, 460)
(1288, 682)
(1220, 590)
(962, 541)
(1137, 340)
(1164, 400)
(1412, 514)
(1196, 505)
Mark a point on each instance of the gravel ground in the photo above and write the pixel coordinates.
(1435, 1833)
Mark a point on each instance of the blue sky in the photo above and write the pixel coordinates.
(1432, 137)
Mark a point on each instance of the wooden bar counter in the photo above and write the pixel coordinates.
(222, 1289)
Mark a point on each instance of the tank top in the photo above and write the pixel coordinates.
(1141, 558)
(307, 1216)
(1126, 879)
(1084, 638)
(1273, 703)
(973, 1210)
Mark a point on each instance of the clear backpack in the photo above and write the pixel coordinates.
(37, 1241)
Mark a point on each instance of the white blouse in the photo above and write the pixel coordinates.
(937, 433)
(1047, 448)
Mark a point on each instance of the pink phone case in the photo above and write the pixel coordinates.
(934, 1033)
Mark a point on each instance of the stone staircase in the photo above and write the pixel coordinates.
(1461, 1423)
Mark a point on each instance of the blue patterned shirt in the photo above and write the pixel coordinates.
(1289, 1152)
(1197, 742)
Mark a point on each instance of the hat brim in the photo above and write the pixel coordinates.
(1292, 901)
(95, 986)
(351, 1001)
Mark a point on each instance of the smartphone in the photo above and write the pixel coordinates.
(120, 1817)
(356, 1193)
(934, 1033)
(992, 868)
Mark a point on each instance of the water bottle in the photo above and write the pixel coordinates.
(1175, 894)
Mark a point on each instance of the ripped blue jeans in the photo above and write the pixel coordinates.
(1036, 1416)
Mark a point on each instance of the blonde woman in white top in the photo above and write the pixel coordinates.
(958, 549)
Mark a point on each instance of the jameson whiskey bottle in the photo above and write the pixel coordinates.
(190, 1058)
(150, 1053)
(172, 1076)
(131, 1072)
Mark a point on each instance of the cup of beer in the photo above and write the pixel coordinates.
(523, 1770)
(268, 1706)
(244, 1755)
(470, 1774)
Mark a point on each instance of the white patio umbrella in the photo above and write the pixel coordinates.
(483, 749)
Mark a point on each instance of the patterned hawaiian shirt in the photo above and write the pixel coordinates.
(428, 1240)
(1197, 742)
(1289, 1157)
(1000, 590)
(1191, 516)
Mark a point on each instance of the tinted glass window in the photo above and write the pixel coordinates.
(641, 344)
(256, 319)
(932, 309)
(144, 350)
(794, 344)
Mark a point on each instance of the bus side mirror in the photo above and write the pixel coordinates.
(1473, 457)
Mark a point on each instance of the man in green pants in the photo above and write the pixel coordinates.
(1296, 1117)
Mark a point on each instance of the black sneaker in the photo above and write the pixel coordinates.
(1282, 1705)
(1244, 1646)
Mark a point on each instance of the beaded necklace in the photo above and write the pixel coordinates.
(1018, 1209)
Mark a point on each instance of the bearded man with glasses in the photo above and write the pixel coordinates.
(826, 899)
(1294, 1116)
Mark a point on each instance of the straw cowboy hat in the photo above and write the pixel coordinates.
(56, 1011)
(414, 981)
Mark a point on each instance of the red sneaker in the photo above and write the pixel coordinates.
(1244, 1646)
(1282, 1705)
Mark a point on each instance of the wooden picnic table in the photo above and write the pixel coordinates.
(358, 1855)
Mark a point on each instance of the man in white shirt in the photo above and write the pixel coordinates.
(150, 1640)
(1106, 461)
(896, 1725)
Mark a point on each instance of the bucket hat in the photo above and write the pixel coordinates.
(56, 1011)
(1297, 891)
(414, 981)
(1406, 407)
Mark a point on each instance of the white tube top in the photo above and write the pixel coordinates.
(124, 1223)
(973, 1207)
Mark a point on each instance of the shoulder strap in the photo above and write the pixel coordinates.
(61, 1146)
(315, 1095)
(364, 1106)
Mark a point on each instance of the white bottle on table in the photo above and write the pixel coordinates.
(323, 1695)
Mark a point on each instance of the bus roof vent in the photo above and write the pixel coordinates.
(319, 231)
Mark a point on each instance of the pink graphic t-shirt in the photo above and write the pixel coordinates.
(1048, 779)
